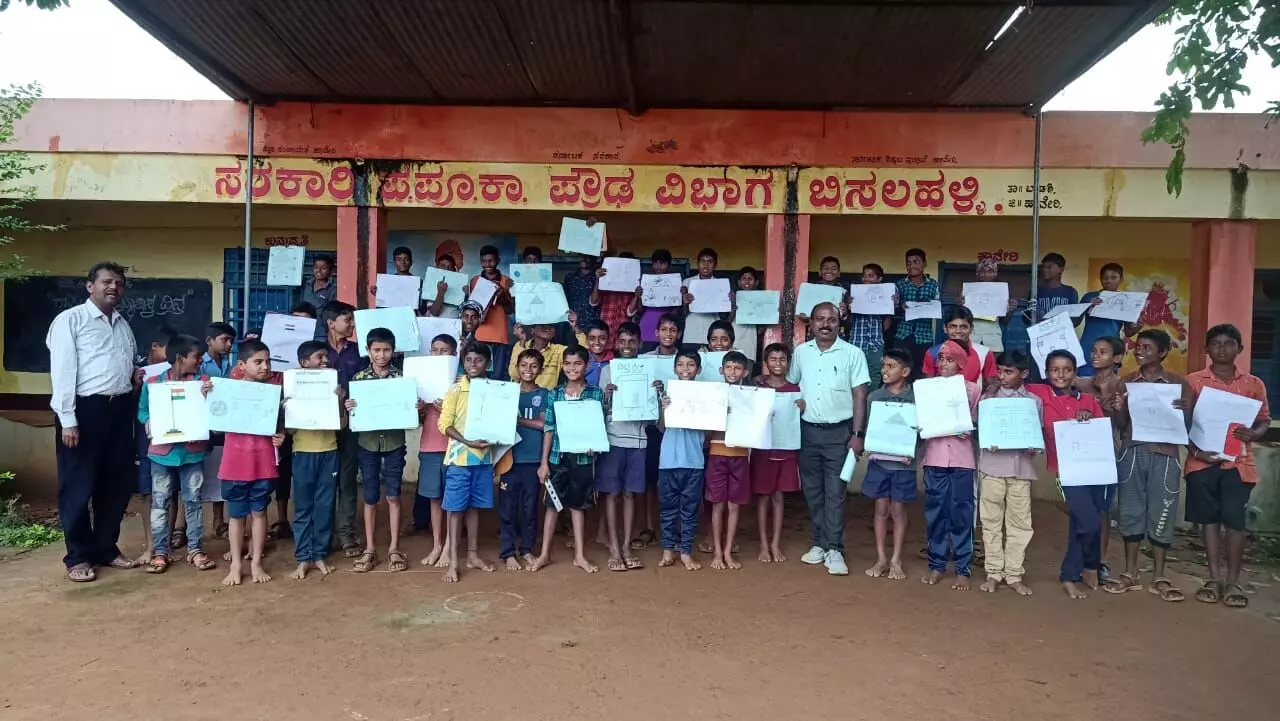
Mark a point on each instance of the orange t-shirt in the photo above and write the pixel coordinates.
(494, 327)
(1242, 384)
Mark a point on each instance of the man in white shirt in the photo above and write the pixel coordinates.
(91, 352)
(832, 375)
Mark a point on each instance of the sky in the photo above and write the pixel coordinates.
(91, 50)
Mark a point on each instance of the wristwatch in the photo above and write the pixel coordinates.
(859, 434)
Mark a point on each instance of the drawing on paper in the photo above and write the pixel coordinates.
(660, 291)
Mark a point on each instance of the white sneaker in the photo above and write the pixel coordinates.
(835, 564)
(815, 556)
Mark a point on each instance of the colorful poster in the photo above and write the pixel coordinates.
(1167, 283)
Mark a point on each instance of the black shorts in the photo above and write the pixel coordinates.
(1217, 495)
(575, 485)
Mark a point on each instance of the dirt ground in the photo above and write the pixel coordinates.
(767, 642)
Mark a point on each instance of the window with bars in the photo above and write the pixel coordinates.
(263, 298)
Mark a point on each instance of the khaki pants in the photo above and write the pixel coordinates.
(1005, 509)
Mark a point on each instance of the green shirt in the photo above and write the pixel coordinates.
(589, 393)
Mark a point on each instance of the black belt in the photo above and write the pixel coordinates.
(106, 398)
(827, 426)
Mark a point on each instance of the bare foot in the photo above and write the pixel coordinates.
(323, 568)
(877, 570)
(960, 584)
(233, 576)
(932, 578)
(143, 560)
(668, 559)
(451, 575)
(433, 557)
(1091, 579)
(301, 572)
(764, 556)
(895, 571)
(528, 559)
(443, 560)
(717, 563)
(1022, 588)
(511, 564)
(475, 561)
(990, 585)
(1073, 590)
(731, 563)
(777, 555)
(539, 563)
(258, 573)
(689, 563)
(584, 564)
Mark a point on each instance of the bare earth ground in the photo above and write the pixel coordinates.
(767, 642)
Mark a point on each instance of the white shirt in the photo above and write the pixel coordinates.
(827, 379)
(89, 355)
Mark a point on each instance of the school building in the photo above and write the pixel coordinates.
(515, 138)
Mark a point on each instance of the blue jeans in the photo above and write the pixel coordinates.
(518, 510)
(315, 485)
(1084, 531)
(164, 481)
(948, 516)
(679, 498)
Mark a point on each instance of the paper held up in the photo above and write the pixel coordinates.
(748, 422)
(1086, 452)
(483, 292)
(455, 292)
(1152, 417)
(398, 291)
(433, 375)
(811, 294)
(660, 291)
(634, 398)
(986, 300)
(710, 295)
(757, 307)
(400, 321)
(284, 264)
(892, 429)
(429, 328)
(580, 427)
(311, 399)
(1123, 306)
(384, 404)
(1009, 424)
(530, 273)
(621, 275)
(177, 412)
(947, 401)
(1074, 310)
(492, 407)
(1215, 412)
(697, 404)
(540, 303)
(576, 236)
(872, 298)
(922, 310)
(244, 407)
(1056, 333)
(283, 334)
(784, 425)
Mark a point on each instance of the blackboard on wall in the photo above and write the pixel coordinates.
(183, 304)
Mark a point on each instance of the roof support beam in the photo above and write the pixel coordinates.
(624, 52)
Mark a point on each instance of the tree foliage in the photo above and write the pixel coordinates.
(15, 170)
(1215, 39)
(42, 4)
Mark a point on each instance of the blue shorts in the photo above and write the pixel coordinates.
(467, 487)
(896, 485)
(621, 470)
(380, 472)
(431, 475)
(245, 497)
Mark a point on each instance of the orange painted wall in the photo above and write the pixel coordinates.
(690, 137)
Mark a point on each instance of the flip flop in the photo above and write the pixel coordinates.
(642, 541)
(159, 564)
(1163, 588)
(1235, 598)
(397, 561)
(1210, 592)
(633, 563)
(367, 562)
(1123, 584)
(617, 564)
(122, 563)
(201, 561)
(82, 573)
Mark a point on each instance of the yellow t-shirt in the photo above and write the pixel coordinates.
(314, 441)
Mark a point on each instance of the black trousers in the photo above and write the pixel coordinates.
(96, 478)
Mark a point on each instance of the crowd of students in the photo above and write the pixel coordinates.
(977, 500)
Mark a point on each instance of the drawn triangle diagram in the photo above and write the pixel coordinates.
(896, 420)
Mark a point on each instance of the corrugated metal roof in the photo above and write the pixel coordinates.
(642, 54)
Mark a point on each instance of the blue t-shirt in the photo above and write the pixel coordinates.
(1095, 328)
(1049, 298)
(681, 448)
(593, 371)
(532, 405)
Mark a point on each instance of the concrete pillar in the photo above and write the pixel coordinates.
(1223, 259)
(362, 252)
(776, 257)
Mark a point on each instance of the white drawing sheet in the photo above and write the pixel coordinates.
(580, 426)
(622, 275)
(1086, 453)
(1056, 333)
(492, 407)
(578, 237)
(664, 367)
(946, 404)
(429, 328)
(987, 300)
(1152, 415)
(455, 292)
(922, 310)
(1215, 411)
(398, 291)
(634, 398)
(697, 404)
(311, 400)
(384, 404)
(784, 424)
(712, 365)
(872, 298)
(748, 423)
(530, 273)
(283, 334)
(540, 303)
(757, 307)
(245, 407)
(155, 369)
(400, 321)
(483, 292)
(710, 295)
(1075, 310)
(178, 413)
(1123, 306)
(811, 294)
(1009, 424)
(433, 375)
(284, 265)
(660, 291)
(892, 429)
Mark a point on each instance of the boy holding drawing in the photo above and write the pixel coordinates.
(891, 480)
(949, 468)
(1095, 329)
(177, 469)
(774, 471)
(518, 488)
(156, 356)
(697, 325)
(727, 476)
(573, 485)
(315, 480)
(468, 466)
(1150, 473)
(427, 507)
(1005, 486)
(248, 465)
(622, 470)
(680, 476)
(651, 317)
(218, 338)
(867, 331)
(668, 335)
(749, 335)
(1218, 489)
(1107, 356)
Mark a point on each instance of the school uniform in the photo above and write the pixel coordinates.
(680, 481)
(1004, 502)
(949, 475)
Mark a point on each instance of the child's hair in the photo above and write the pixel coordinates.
(1060, 353)
(723, 325)
(674, 320)
(1116, 343)
(163, 334)
(323, 258)
(709, 253)
(661, 255)
(446, 256)
(335, 309)
(1015, 359)
(179, 346)
(628, 328)
(777, 348)
(533, 250)
(529, 353)
(479, 349)
(916, 253)
(957, 312)
(1159, 337)
(304, 308)
(874, 268)
(402, 250)
(738, 357)
(490, 250)
(250, 348)
(829, 259)
(216, 329)
(309, 348)
(1113, 268)
(1055, 258)
(598, 324)
(1227, 330)
(579, 352)
(380, 335)
(686, 353)
(748, 270)
(901, 355)
(448, 339)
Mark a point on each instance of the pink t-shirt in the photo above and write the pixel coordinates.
(247, 458)
(433, 441)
